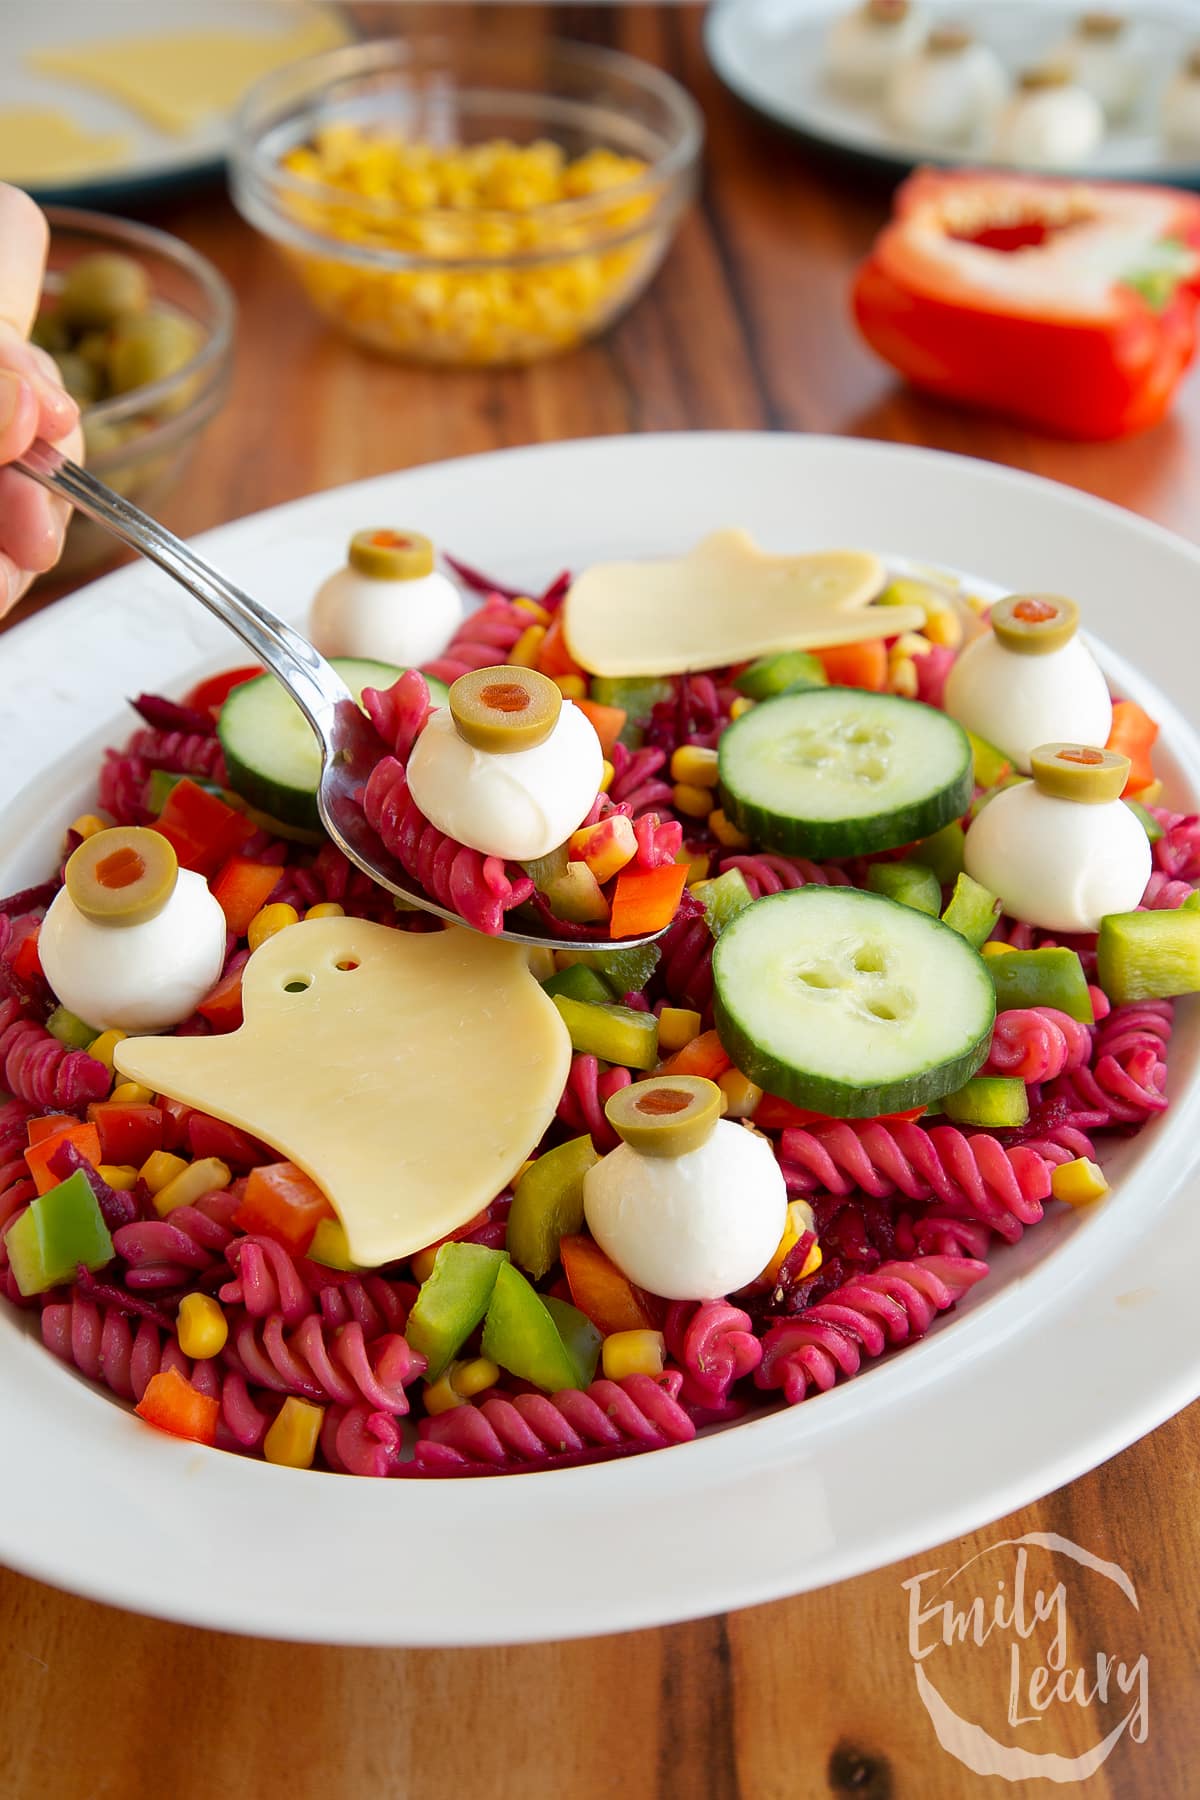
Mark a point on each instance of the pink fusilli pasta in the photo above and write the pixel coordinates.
(484, 638)
(1037, 1043)
(36, 1068)
(637, 782)
(537, 1429)
(1177, 852)
(769, 874)
(321, 1363)
(714, 1345)
(581, 1107)
(180, 752)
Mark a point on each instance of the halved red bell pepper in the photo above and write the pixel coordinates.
(204, 831)
(282, 1203)
(243, 888)
(128, 1133)
(211, 694)
(1068, 305)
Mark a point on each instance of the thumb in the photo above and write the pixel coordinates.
(18, 415)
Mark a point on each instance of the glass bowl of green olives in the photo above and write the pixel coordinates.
(141, 328)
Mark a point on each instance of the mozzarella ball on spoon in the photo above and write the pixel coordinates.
(508, 767)
(863, 46)
(131, 941)
(1049, 122)
(389, 603)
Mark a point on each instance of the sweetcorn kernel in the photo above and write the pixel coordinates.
(799, 1220)
(192, 1182)
(571, 687)
(695, 764)
(131, 1093)
(1079, 1183)
(741, 1094)
(441, 1395)
(696, 802)
(606, 776)
(995, 947)
(121, 1176)
(726, 832)
(677, 1026)
(102, 1047)
(524, 653)
(88, 824)
(741, 705)
(160, 1169)
(268, 921)
(633, 1353)
(293, 1437)
(202, 1326)
(473, 1377)
(536, 612)
(944, 628)
(698, 864)
(326, 909)
(902, 678)
(422, 1263)
(541, 962)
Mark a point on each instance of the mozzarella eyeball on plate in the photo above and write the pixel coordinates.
(389, 604)
(689, 1206)
(1050, 121)
(1062, 850)
(1101, 53)
(1030, 680)
(863, 45)
(131, 942)
(947, 91)
(508, 767)
(1181, 106)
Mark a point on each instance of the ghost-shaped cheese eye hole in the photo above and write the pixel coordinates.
(667, 1115)
(505, 709)
(1080, 772)
(1034, 624)
(122, 876)
(387, 555)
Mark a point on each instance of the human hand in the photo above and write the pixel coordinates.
(33, 403)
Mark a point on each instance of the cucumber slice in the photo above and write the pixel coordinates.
(841, 771)
(271, 753)
(849, 1004)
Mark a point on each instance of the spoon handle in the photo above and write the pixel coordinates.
(316, 687)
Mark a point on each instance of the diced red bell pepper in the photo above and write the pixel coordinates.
(599, 1289)
(204, 831)
(211, 694)
(553, 656)
(128, 1133)
(174, 1405)
(861, 665)
(774, 1114)
(38, 1130)
(607, 722)
(25, 962)
(242, 889)
(213, 1137)
(1068, 305)
(281, 1202)
(705, 1055)
(175, 1121)
(222, 1006)
(86, 1140)
(1133, 734)
(645, 900)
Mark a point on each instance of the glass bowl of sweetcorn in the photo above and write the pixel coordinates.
(471, 202)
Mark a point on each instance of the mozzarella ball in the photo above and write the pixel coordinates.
(1105, 63)
(1181, 107)
(1017, 701)
(135, 978)
(1060, 864)
(402, 622)
(518, 805)
(946, 96)
(1052, 127)
(863, 46)
(690, 1227)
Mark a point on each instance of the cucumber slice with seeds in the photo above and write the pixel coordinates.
(849, 1004)
(841, 771)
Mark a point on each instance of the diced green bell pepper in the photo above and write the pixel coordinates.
(542, 870)
(523, 1336)
(995, 1101)
(581, 1338)
(911, 884)
(1146, 820)
(577, 982)
(61, 1229)
(330, 1246)
(69, 1030)
(1192, 903)
(626, 971)
(618, 1034)
(452, 1301)
(972, 911)
(787, 671)
(162, 783)
(943, 852)
(547, 1203)
(1050, 977)
(991, 765)
(637, 696)
(1148, 955)
(723, 898)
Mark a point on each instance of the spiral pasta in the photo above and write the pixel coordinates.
(359, 1440)
(1177, 852)
(769, 874)
(639, 1411)
(583, 1099)
(714, 1344)
(890, 1306)
(36, 1068)
(1037, 1043)
(180, 752)
(323, 1363)
(636, 781)
(485, 637)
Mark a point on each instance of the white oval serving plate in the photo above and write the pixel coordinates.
(1082, 1339)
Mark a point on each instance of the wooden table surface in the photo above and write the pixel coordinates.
(746, 327)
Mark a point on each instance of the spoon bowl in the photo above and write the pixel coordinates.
(350, 746)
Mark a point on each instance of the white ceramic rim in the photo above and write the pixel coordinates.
(1092, 1313)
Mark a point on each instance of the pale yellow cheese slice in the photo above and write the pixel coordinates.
(410, 1078)
(39, 144)
(176, 80)
(724, 602)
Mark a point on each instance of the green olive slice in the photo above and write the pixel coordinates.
(387, 555)
(667, 1115)
(505, 709)
(98, 289)
(122, 876)
(1080, 772)
(1034, 624)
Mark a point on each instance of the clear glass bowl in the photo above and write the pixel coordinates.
(140, 442)
(461, 285)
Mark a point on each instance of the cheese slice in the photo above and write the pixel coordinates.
(724, 602)
(38, 145)
(409, 1074)
(177, 80)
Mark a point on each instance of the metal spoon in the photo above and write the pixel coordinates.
(350, 746)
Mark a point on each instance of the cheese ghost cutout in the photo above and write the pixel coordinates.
(724, 602)
(409, 1074)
